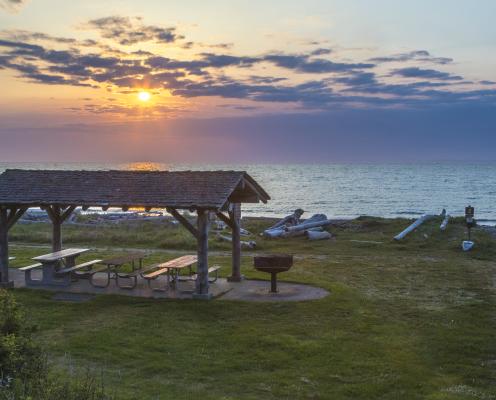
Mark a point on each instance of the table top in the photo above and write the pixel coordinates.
(123, 259)
(180, 262)
(177, 263)
(58, 255)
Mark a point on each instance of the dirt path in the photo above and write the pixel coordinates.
(214, 253)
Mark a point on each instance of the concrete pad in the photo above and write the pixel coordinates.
(246, 290)
(252, 290)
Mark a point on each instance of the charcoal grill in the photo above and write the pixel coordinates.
(273, 264)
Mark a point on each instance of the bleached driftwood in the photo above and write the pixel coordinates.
(315, 222)
(250, 245)
(444, 224)
(244, 232)
(273, 233)
(300, 233)
(293, 219)
(416, 224)
(219, 225)
(308, 225)
(315, 235)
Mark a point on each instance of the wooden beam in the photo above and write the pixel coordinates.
(14, 216)
(51, 214)
(58, 216)
(255, 190)
(66, 214)
(225, 218)
(184, 222)
(239, 198)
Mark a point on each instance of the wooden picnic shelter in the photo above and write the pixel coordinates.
(60, 192)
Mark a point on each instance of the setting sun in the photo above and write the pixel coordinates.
(144, 96)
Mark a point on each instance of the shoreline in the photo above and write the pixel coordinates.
(96, 217)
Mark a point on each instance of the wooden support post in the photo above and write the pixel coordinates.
(56, 229)
(4, 249)
(8, 217)
(235, 217)
(202, 268)
(58, 215)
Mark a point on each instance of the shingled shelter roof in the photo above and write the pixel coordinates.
(176, 189)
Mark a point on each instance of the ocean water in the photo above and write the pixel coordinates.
(351, 190)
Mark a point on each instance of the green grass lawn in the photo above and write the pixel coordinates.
(409, 320)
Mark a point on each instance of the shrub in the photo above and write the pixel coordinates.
(24, 370)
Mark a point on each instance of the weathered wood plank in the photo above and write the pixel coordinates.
(225, 219)
(202, 283)
(184, 222)
(67, 213)
(235, 214)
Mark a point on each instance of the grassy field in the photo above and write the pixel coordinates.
(409, 320)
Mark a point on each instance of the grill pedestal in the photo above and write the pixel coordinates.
(273, 264)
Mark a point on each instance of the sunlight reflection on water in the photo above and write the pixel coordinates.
(146, 166)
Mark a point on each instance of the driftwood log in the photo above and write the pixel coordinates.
(300, 233)
(307, 225)
(249, 245)
(315, 223)
(315, 235)
(416, 224)
(290, 220)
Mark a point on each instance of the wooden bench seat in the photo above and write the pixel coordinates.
(78, 267)
(30, 267)
(133, 276)
(155, 274)
(167, 267)
(27, 272)
(214, 268)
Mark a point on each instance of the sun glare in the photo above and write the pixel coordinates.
(144, 96)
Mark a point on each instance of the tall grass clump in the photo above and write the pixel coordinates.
(25, 373)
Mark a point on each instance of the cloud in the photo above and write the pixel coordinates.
(415, 72)
(12, 6)
(25, 36)
(327, 84)
(128, 31)
(303, 63)
(321, 51)
(415, 55)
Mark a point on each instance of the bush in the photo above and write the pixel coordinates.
(20, 357)
(24, 370)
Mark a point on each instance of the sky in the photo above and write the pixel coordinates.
(247, 81)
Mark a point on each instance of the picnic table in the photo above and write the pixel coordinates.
(172, 269)
(111, 267)
(56, 267)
